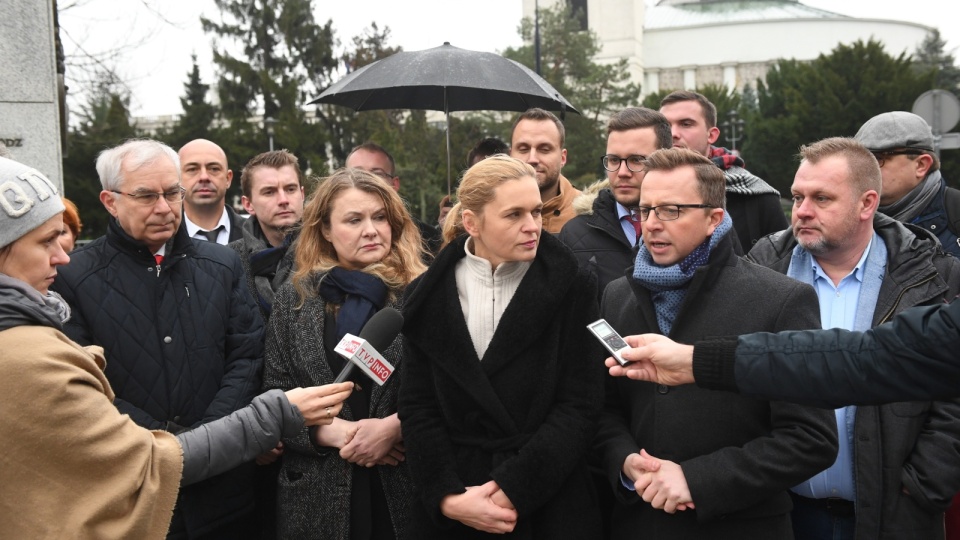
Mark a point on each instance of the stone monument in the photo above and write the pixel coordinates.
(31, 91)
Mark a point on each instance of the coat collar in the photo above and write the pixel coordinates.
(434, 323)
(179, 243)
(721, 256)
(911, 255)
(909, 249)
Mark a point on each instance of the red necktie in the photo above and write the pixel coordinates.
(159, 259)
(637, 225)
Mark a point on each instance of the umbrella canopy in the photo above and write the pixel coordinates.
(445, 78)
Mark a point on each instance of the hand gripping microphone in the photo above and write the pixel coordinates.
(363, 351)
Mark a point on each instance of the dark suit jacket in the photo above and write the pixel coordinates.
(524, 416)
(739, 455)
(236, 224)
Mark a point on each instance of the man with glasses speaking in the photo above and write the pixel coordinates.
(913, 189)
(181, 334)
(687, 463)
(606, 231)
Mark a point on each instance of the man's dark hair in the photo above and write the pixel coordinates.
(539, 115)
(709, 109)
(487, 147)
(642, 117)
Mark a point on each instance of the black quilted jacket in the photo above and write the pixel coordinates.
(184, 345)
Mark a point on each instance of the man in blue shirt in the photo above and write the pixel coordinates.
(898, 465)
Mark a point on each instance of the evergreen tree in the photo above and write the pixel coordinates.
(596, 90)
(198, 115)
(284, 57)
(803, 102)
(347, 128)
(104, 123)
(931, 56)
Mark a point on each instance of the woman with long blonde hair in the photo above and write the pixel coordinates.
(503, 384)
(357, 251)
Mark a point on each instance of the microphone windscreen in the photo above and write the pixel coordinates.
(382, 328)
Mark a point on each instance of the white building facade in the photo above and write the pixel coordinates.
(684, 44)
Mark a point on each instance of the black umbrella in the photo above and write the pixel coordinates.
(447, 79)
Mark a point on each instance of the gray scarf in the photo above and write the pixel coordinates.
(22, 305)
(914, 202)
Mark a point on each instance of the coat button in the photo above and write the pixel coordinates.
(151, 268)
(168, 339)
(176, 418)
(933, 227)
(662, 388)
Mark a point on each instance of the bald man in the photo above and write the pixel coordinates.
(205, 176)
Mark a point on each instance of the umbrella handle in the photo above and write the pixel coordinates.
(446, 112)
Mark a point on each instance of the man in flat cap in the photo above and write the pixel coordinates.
(913, 189)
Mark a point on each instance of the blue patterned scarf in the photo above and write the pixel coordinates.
(668, 284)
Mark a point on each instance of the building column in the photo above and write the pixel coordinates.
(689, 78)
(730, 76)
(29, 95)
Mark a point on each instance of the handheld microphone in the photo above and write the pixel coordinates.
(363, 351)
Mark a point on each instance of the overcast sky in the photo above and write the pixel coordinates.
(160, 35)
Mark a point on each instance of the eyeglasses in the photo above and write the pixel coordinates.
(667, 212)
(883, 156)
(150, 198)
(382, 174)
(634, 163)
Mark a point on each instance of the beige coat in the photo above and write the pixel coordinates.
(558, 210)
(71, 465)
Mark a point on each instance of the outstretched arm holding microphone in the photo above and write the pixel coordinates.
(221, 445)
(912, 357)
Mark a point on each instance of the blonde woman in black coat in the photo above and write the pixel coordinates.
(503, 385)
(356, 252)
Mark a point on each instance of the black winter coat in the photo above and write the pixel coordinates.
(739, 455)
(524, 416)
(910, 445)
(914, 356)
(754, 216)
(598, 241)
(183, 342)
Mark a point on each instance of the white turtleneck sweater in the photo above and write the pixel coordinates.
(485, 293)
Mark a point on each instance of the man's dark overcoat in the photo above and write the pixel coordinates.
(739, 455)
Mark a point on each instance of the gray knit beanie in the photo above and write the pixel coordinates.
(28, 200)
